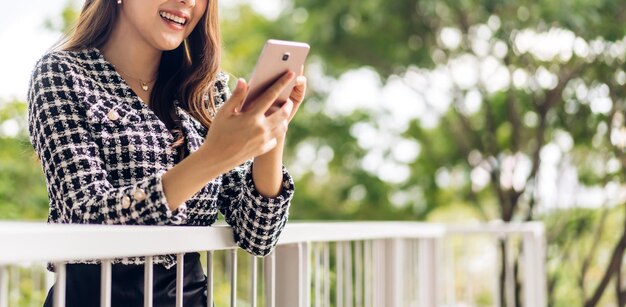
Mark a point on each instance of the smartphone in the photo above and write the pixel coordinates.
(277, 57)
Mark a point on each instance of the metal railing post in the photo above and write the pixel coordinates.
(105, 283)
(509, 278)
(292, 275)
(339, 274)
(379, 276)
(534, 255)
(358, 274)
(59, 287)
(394, 272)
(209, 281)
(253, 280)
(148, 282)
(347, 274)
(317, 272)
(180, 274)
(325, 267)
(4, 286)
(36, 280)
(368, 272)
(269, 266)
(429, 272)
(233, 278)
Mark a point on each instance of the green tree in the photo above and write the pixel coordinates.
(564, 98)
(22, 185)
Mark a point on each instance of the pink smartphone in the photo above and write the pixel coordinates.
(277, 57)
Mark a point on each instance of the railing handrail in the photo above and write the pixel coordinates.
(35, 241)
(380, 254)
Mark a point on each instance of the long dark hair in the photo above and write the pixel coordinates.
(178, 78)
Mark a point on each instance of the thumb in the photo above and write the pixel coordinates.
(236, 99)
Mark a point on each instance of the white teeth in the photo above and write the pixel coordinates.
(173, 18)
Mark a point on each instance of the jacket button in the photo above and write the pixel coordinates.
(113, 115)
(139, 194)
(125, 202)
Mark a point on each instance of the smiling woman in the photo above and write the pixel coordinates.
(104, 24)
(134, 124)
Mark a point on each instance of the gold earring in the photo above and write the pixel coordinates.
(187, 53)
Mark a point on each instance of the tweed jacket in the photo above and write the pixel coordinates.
(103, 152)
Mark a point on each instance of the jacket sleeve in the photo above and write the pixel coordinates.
(76, 177)
(257, 221)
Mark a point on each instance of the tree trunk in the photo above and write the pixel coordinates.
(504, 253)
(621, 302)
(503, 273)
(614, 264)
(518, 284)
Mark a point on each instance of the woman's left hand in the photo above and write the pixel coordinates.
(267, 168)
(296, 97)
(297, 94)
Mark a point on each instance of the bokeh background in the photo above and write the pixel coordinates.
(453, 111)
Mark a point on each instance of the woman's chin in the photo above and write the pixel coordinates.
(167, 43)
(169, 47)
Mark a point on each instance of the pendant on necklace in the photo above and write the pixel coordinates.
(144, 86)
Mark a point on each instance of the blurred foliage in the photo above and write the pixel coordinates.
(514, 125)
(22, 185)
(64, 22)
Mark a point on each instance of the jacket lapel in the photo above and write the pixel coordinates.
(194, 131)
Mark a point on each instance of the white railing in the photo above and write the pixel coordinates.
(362, 264)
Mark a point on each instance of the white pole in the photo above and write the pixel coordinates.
(148, 281)
(429, 272)
(367, 272)
(59, 288)
(4, 286)
(233, 278)
(326, 273)
(105, 284)
(253, 281)
(348, 272)
(358, 273)
(270, 279)
(180, 275)
(209, 281)
(339, 273)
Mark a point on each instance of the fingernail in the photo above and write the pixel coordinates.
(241, 83)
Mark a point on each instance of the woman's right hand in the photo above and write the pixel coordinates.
(235, 136)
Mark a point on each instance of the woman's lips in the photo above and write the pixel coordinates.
(175, 20)
(173, 25)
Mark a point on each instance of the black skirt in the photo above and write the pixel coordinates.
(83, 285)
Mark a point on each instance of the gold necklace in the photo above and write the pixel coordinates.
(144, 85)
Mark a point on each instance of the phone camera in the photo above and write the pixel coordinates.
(286, 56)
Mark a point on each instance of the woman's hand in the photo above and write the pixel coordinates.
(266, 169)
(297, 94)
(296, 97)
(235, 136)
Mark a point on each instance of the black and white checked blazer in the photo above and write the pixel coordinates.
(103, 152)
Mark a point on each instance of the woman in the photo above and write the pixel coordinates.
(134, 124)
